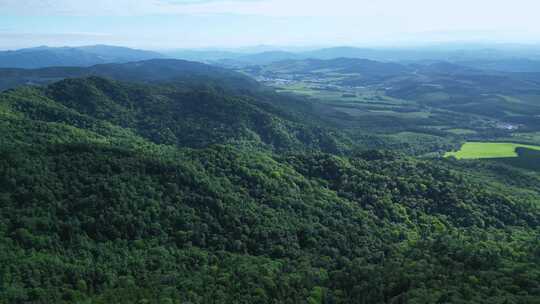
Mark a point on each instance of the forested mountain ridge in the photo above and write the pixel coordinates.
(147, 71)
(177, 115)
(185, 191)
(495, 58)
(41, 57)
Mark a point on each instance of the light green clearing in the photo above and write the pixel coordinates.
(324, 95)
(414, 137)
(461, 131)
(363, 95)
(511, 99)
(435, 96)
(479, 150)
(532, 137)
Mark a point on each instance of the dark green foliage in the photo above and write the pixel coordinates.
(149, 71)
(527, 159)
(174, 115)
(123, 193)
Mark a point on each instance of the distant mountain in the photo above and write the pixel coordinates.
(41, 57)
(396, 55)
(359, 71)
(253, 55)
(346, 52)
(343, 65)
(269, 57)
(120, 54)
(202, 55)
(148, 71)
(444, 68)
(488, 58)
(505, 65)
(449, 53)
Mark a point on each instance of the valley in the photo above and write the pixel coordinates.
(430, 107)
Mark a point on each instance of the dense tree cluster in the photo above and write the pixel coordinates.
(123, 193)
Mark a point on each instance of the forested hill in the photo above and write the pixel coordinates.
(148, 71)
(179, 115)
(116, 192)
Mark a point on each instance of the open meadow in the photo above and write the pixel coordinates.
(480, 150)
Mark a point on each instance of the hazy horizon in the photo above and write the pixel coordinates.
(262, 48)
(188, 24)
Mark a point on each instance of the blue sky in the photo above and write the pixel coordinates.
(167, 24)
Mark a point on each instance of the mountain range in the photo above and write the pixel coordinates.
(72, 56)
(498, 58)
(488, 58)
(154, 70)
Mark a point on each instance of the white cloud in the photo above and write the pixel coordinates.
(280, 21)
(109, 7)
(455, 10)
(410, 15)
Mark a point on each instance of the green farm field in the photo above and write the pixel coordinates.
(479, 150)
(366, 96)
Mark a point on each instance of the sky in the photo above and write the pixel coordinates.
(173, 24)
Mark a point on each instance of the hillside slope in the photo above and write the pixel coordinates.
(148, 71)
(130, 193)
(179, 115)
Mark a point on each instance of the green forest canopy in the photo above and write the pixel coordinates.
(129, 193)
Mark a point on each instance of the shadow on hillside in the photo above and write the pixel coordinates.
(527, 159)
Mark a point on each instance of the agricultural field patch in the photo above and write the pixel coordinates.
(458, 131)
(530, 137)
(487, 150)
